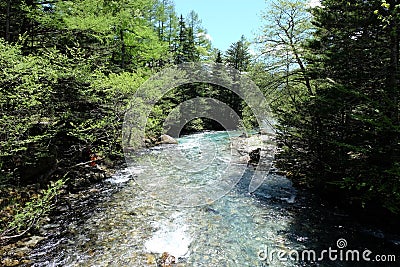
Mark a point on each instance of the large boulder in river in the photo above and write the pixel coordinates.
(166, 139)
(255, 156)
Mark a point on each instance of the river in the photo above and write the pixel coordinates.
(129, 226)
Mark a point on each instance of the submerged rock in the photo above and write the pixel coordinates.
(166, 260)
(33, 241)
(167, 140)
(151, 259)
(10, 262)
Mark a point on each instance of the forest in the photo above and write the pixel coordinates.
(69, 69)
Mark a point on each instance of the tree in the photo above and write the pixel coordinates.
(62, 90)
(200, 37)
(46, 114)
(14, 19)
(238, 55)
(188, 45)
(287, 27)
(345, 136)
(218, 58)
(68, 72)
(113, 30)
(284, 54)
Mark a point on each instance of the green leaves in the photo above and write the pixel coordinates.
(350, 138)
(29, 214)
(47, 104)
(238, 55)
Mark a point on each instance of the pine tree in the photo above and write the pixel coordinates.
(238, 55)
(348, 133)
(186, 47)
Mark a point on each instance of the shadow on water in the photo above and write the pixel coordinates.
(319, 225)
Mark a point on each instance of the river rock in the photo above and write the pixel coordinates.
(148, 142)
(166, 139)
(256, 150)
(254, 156)
(33, 241)
(167, 260)
(244, 159)
(9, 262)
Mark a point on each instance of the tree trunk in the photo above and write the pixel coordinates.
(8, 15)
(123, 48)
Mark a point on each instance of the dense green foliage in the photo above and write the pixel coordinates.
(68, 69)
(356, 112)
(339, 117)
(26, 216)
(331, 74)
(68, 72)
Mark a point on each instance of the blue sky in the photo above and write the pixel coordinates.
(226, 20)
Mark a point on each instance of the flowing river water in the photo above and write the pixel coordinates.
(128, 227)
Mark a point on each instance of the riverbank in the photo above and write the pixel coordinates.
(62, 207)
(386, 230)
(76, 200)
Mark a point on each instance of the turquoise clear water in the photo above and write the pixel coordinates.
(199, 170)
(134, 226)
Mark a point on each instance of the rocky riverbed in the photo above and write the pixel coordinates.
(115, 222)
(256, 150)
